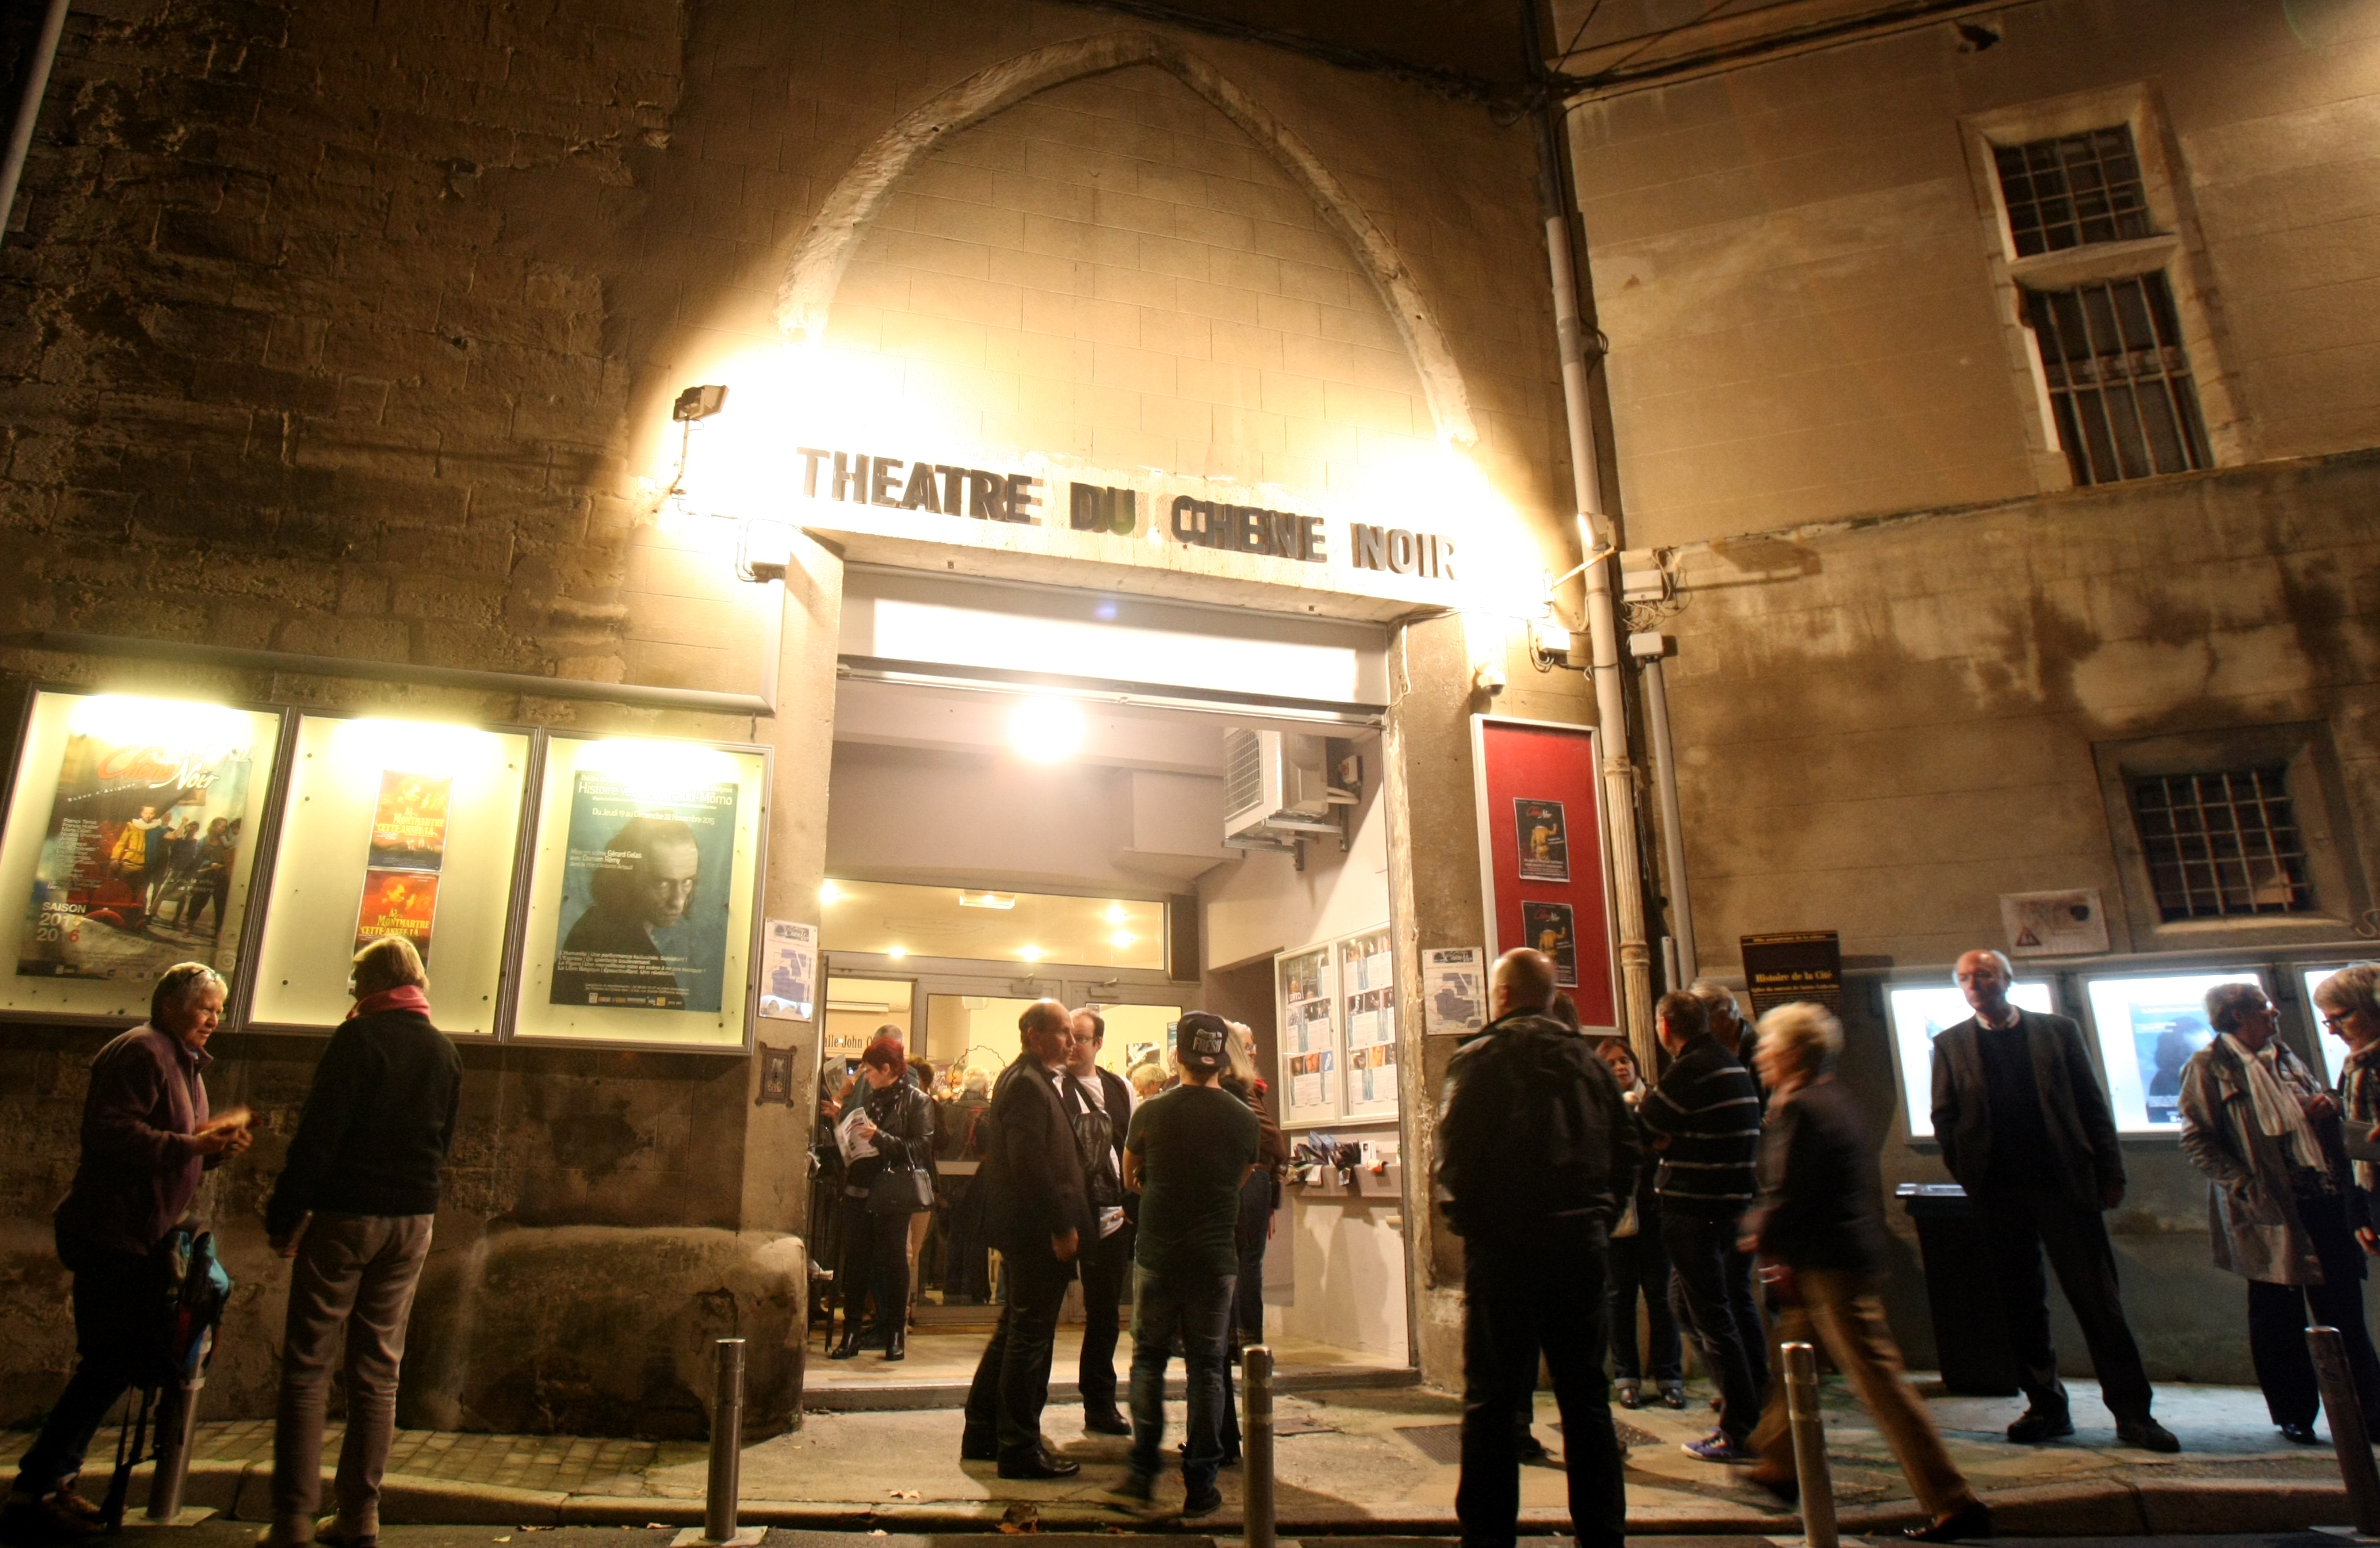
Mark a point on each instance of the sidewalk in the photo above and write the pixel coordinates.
(1371, 1461)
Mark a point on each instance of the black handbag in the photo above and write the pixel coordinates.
(905, 1192)
(903, 1189)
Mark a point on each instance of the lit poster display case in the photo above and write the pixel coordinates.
(640, 929)
(1919, 1013)
(2147, 1028)
(1307, 981)
(1368, 997)
(393, 828)
(132, 832)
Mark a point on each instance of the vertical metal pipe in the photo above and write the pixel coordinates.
(2347, 1433)
(1673, 838)
(1602, 624)
(1256, 1446)
(176, 1422)
(29, 108)
(1810, 1447)
(726, 1443)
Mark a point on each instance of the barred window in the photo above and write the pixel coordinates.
(2221, 845)
(2073, 191)
(2119, 380)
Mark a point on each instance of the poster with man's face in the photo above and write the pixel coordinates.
(644, 893)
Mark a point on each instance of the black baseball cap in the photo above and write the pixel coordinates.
(1200, 1038)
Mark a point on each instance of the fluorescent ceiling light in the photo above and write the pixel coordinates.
(1047, 730)
(988, 899)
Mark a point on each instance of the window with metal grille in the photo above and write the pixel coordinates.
(2077, 189)
(2119, 380)
(2222, 844)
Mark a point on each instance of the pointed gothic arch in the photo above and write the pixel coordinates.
(814, 270)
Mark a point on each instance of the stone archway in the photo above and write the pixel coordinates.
(814, 268)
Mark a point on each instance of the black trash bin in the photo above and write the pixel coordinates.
(1970, 1335)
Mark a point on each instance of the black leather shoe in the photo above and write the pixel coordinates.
(850, 1344)
(1108, 1423)
(2149, 1435)
(1202, 1502)
(2301, 1434)
(1038, 1464)
(2033, 1426)
(973, 1450)
(896, 1344)
(1971, 1519)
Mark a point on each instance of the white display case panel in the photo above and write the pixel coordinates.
(2147, 1028)
(1919, 1013)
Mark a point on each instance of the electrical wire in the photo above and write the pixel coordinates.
(1572, 47)
(1617, 64)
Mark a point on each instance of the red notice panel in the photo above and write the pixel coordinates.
(1542, 837)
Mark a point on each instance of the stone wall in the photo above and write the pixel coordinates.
(1795, 258)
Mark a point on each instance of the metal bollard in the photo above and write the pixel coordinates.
(2347, 1433)
(726, 1445)
(177, 1419)
(1810, 1447)
(1256, 1446)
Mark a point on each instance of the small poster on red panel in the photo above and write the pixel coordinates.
(1541, 854)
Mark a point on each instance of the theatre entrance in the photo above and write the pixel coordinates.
(995, 837)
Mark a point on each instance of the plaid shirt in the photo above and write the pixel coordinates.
(2359, 1103)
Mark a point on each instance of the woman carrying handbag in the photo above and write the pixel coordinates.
(887, 1141)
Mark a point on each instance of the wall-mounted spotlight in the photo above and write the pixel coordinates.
(698, 403)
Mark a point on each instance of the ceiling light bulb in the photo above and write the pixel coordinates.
(1122, 938)
(1047, 730)
(1030, 953)
(896, 952)
(1115, 913)
(829, 892)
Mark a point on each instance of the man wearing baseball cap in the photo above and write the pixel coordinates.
(1187, 1153)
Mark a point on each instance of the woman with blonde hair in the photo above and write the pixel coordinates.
(1821, 1243)
(2347, 1002)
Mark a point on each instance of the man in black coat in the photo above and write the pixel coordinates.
(1036, 1212)
(2025, 1129)
(1099, 1105)
(1537, 1157)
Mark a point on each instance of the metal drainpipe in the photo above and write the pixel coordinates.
(29, 108)
(1603, 628)
(1673, 840)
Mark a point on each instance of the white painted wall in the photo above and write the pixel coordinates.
(1263, 904)
(1349, 1271)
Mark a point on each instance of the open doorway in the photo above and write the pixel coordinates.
(990, 846)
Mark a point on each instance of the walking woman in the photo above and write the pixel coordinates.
(2281, 1205)
(887, 1137)
(1821, 1247)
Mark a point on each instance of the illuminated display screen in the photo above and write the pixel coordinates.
(1919, 1013)
(2147, 1029)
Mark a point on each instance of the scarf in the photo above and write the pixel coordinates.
(405, 996)
(2279, 1116)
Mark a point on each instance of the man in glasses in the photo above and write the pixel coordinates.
(2026, 1131)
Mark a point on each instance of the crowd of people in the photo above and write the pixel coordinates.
(353, 1207)
(1734, 1193)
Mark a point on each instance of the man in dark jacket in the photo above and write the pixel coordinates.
(1036, 1212)
(1537, 1156)
(354, 1205)
(1821, 1243)
(1706, 1116)
(148, 1141)
(2024, 1129)
(1099, 1106)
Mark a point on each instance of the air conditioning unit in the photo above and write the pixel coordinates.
(1275, 789)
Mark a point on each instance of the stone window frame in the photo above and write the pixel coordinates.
(2177, 249)
(2317, 791)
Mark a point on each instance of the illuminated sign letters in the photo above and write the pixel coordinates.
(865, 478)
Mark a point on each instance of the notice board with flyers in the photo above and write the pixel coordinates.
(139, 829)
(1542, 871)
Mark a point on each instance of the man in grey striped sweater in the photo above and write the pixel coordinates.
(1705, 1119)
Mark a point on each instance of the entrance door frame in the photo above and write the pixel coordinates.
(1071, 984)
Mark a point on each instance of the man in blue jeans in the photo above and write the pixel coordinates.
(1187, 1153)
